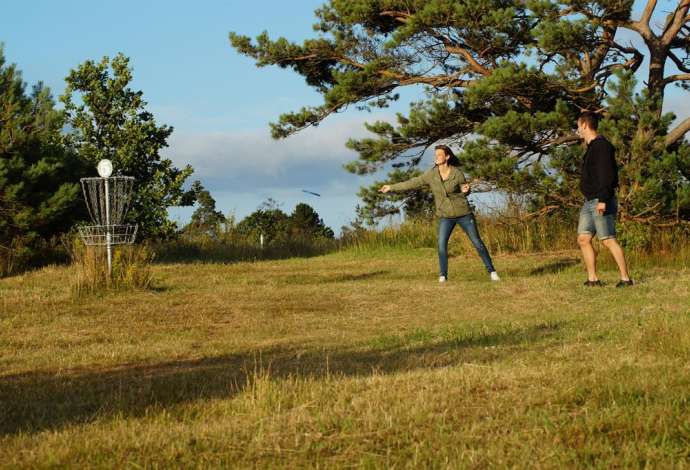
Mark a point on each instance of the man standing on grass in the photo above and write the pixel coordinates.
(598, 183)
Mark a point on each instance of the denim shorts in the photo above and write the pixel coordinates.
(603, 226)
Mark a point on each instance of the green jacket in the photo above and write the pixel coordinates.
(449, 198)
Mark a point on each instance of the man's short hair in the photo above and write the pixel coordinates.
(590, 119)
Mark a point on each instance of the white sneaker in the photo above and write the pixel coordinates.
(442, 279)
(494, 276)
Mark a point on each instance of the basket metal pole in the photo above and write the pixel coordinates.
(108, 247)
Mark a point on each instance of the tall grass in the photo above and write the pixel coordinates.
(131, 268)
(6, 261)
(645, 245)
(500, 237)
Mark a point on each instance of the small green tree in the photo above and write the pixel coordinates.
(275, 225)
(206, 219)
(305, 221)
(268, 220)
(107, 119)
(39, 177)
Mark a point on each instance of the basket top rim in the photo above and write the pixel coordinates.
(96, 226)
(98, 178)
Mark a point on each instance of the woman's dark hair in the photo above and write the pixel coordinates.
(453, 160)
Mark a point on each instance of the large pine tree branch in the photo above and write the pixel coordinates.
(631, 64)
(682, 42)
(404, 79)
(677, 20)
(401, 78)
(679, 63)
(465, 53)
(677, 133)
(641, 26)
(676, 78)
(603, 73)
(636, 59)
(454, 48)
(600, 53)
(647, 13)
(401, 16)
(438, 81)
(565, 139)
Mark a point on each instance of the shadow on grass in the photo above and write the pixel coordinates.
(307, 279)
(33, 402)
(554, 267)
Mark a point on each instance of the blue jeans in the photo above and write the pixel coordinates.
(469, 225)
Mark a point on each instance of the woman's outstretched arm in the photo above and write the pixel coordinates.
(412, 183)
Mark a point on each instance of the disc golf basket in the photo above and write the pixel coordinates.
(108, 199)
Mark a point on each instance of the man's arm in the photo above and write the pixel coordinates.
(605, 170)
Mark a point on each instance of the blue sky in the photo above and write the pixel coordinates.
(219, 103)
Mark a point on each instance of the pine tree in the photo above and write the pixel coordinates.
(275, 225)
(39, 177)
(205, 219)
(505, 81)
(305, 221)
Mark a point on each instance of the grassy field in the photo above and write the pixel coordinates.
(349, 360)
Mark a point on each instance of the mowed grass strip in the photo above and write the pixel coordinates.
(349, 360)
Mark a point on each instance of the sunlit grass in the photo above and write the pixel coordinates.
(352, 358)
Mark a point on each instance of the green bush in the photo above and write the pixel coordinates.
(634, 235)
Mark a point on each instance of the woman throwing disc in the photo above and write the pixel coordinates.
(450, 190)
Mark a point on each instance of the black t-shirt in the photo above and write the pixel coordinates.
(599, 170)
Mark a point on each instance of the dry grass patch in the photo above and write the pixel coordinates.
(348, 360)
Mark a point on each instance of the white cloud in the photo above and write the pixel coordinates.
(254, 154)
(244, 168)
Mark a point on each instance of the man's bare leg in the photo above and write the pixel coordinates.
(618, 255)
(589, 255)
